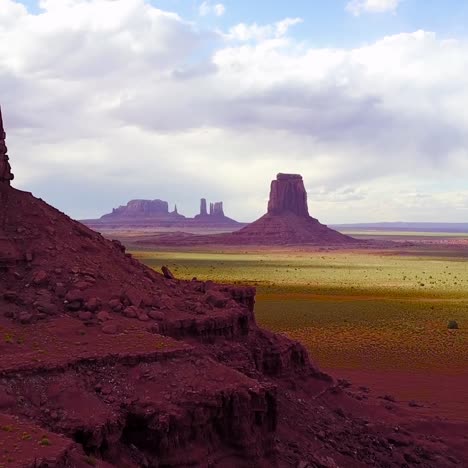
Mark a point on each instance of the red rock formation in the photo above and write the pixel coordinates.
(106, 363)
(140, 209)
(203, 211)
(287, 222)
(288, 195)
(216, 209)
(215, 217)
(6, 175)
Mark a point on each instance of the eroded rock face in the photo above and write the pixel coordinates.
(288, 195)
(6, 175)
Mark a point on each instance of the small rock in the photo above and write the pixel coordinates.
(131, 312)
(111, 328)
(82, 285)
(74, 306)
(60, 290)
(93, 304)
(153, 328)
(40, 278)
(25, 317)
(103, 316)
(74, 295)
(85, 316)
(10, 296)
(167, 273)
(156, 315)
(216, 299)
(46, 307)
(115, 305)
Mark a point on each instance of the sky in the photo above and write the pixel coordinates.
(110, 100)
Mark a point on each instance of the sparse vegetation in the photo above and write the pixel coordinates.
(90, 460)
(45, 442)
(346, 306)
(9, 338)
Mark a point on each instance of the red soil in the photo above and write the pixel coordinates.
(434, 393)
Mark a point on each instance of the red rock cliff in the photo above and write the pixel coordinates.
(6, 175)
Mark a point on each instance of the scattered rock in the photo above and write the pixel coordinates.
(111, 328)
(25, 317)
(131, 312)
(85, 316)
(93, 304)
(216, 299)
(103, 316)
(40, 278)
(156, 315)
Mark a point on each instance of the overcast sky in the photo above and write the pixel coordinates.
(109, 100)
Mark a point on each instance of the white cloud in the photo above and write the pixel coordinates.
(110, 100)
(357, 7)
(248, 32)
(207, 8)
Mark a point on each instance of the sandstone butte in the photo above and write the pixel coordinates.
(287, 222)
(107, 363)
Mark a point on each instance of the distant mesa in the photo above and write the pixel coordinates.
(155, 213)
(146, 209)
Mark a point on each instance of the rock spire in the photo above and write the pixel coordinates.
(6, 175)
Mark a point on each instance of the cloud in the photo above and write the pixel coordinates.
(248, 32)
(207, 8)
(358, 7)
(110, 100)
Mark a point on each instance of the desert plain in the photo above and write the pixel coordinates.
(377, 317)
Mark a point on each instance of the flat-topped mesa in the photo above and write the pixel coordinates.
(6, 175)
(288, 194)
(141, 209)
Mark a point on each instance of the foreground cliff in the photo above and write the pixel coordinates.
(105, 362)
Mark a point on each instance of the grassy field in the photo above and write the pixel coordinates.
(353, 310)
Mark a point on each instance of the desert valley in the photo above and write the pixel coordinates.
(341, 358)
(233, 234)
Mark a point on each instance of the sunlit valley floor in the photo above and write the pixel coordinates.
(377, 318)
